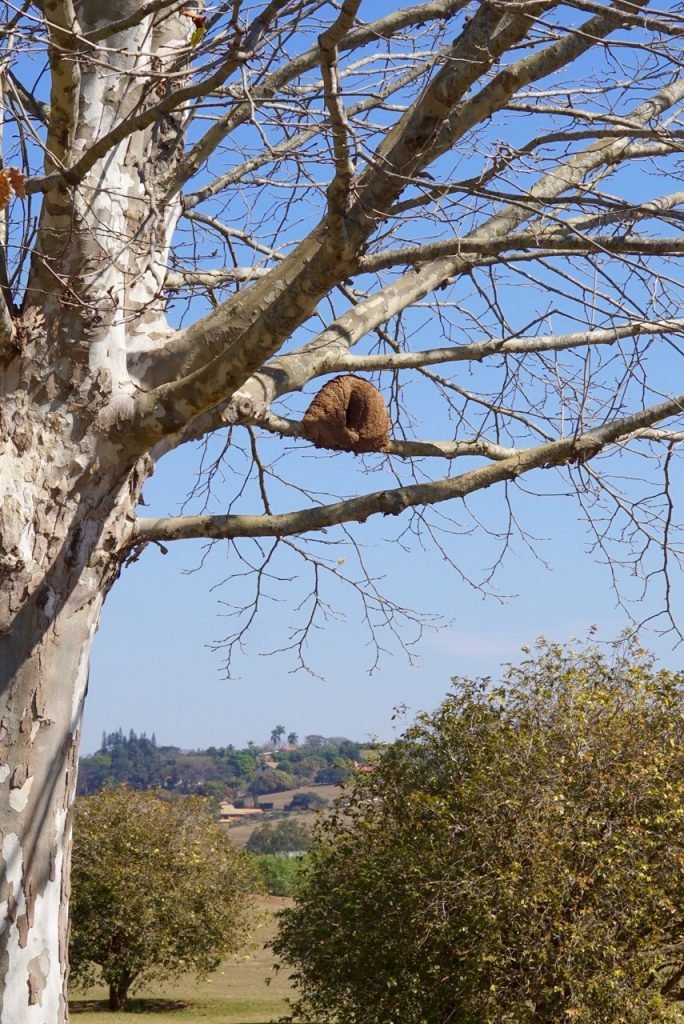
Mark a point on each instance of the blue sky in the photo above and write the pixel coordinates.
(153, 669)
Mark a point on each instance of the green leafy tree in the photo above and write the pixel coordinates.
(334, 775)
(306, 802)
(285, 837)
(271, 782)
(158, 890)
(279, 875)
(516, 857)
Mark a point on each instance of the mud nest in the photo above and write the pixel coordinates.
(349, 414)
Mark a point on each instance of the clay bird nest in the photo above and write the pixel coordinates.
(348, 414)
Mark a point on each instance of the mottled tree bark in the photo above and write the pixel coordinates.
(59, 536)
(69, 485)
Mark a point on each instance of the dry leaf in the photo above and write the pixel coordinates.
(11, 180)
(199, 20)
(5, 189)
(17, 179)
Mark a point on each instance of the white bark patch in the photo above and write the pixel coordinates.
(4, 772)
(18, 798)
(40, 956)
(50, 601)
(82, 668)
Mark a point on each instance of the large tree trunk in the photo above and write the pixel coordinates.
(57, 561)
(118, 994)
(40, 734)
(69, 476)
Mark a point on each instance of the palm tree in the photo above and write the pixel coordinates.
(292, 739)
(277, 735)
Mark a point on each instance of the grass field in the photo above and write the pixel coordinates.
(235, 994)
(240, 832)
(279, 800)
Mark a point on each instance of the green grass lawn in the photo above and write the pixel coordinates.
(235, 994)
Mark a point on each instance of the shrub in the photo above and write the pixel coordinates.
(285, 837)
(515, 858)
(279, 874)
(306, 802)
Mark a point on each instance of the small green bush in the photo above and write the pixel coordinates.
(285, 837)
(278, 873)
(306, 802)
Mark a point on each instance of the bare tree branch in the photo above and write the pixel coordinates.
(228, 365)
(66, 76)
(340, 189)
(381, 28)
(393, 502)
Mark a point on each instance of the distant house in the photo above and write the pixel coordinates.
(229, 813)
(266, 765)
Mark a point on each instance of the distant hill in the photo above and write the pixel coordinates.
(217, 772)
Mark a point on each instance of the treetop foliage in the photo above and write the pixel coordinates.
(515, 858)
(284, 837)
(142, 764)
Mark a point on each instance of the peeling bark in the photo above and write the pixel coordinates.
(56, 571)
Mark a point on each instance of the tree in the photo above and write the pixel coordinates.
(306, 802)
(270, 782)
(334, 775)
(205, 213)
(287, 836)
(158, 890)
(277, 735)
(279, 875)
(515, 857)
(292, 739)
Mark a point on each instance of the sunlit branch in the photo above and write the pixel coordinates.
(509, 346)
(39, 110)
(66, 76)
(672, 26)
(393, 502)
(340, 188)
(286, 427)
(404, 153)
(230, 234)
(558, 244)
(293, 145)
(178, 279)
(208, 341)
(381, 28)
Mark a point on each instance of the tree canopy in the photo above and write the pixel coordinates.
(288, 836)
(515, 858)
(158, 890)
(140, 763)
